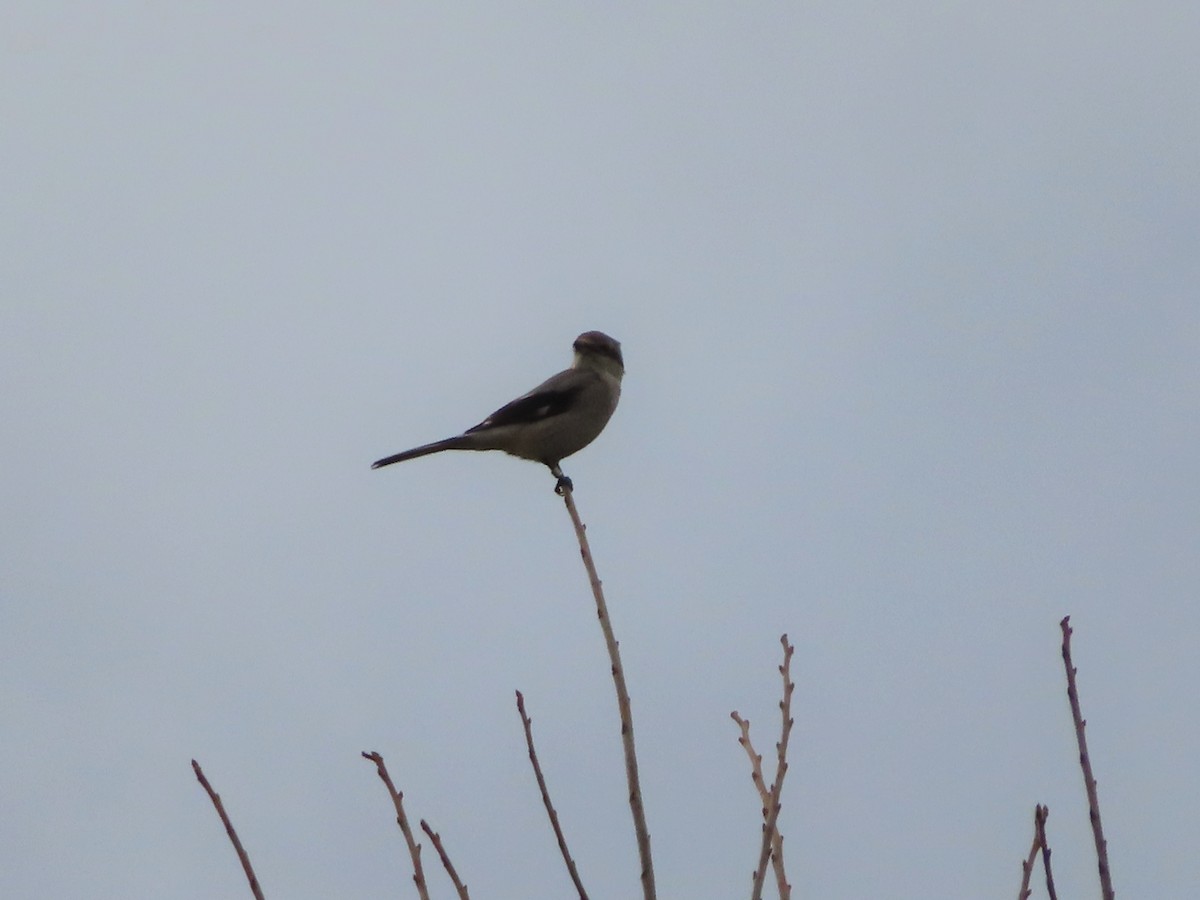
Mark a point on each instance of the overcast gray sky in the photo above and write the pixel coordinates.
(908, 298)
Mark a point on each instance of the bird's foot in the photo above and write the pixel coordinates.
(563, 484)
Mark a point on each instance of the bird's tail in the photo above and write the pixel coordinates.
(454, 443)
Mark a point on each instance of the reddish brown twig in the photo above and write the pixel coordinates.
(623, 703)
(1028, 863)
(1039, 821)
(414, 849)
(1085, 763)
(764, 794)
(772, 819)
(229, 830)
(541, 781)
(449, 866)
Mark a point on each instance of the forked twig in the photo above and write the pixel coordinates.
(1085, 763)
(449, 866)
(1028, 863)
(764, 794)
(229, 830)
(541, 781)
(1039, 821)
(772, 818)
(623, 703)
(414, 849)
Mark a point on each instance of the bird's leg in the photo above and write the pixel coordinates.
(564, 483)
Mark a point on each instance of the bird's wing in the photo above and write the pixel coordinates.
(551, 398)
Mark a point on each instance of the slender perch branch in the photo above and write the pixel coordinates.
(550, 811)
(1085, 763)
(414, 849)
(229, 830)
(623, 704)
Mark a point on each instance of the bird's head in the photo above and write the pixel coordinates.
(596, 350)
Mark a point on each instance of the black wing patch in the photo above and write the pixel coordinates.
(534, 407)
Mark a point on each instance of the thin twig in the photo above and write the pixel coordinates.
(764, 794)
(623, 704)
(229, 830)
(449, 866)
(785, 708)
(1039, 821)
(756, 773)
(537, 771)
(1085, 763)
(1028, 863)
(414, 849)
(770, 826)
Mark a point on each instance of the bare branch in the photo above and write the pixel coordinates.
(770, 827)
(449, 866)
(1039, 821)
(1085, 763)
(1028, 863)
(756, 775)
(537, 771)
(623, 703)
(414, 849)
(229, 830)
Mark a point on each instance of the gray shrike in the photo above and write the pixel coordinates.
(560, 416)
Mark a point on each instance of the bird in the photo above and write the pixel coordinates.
(559, 417)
